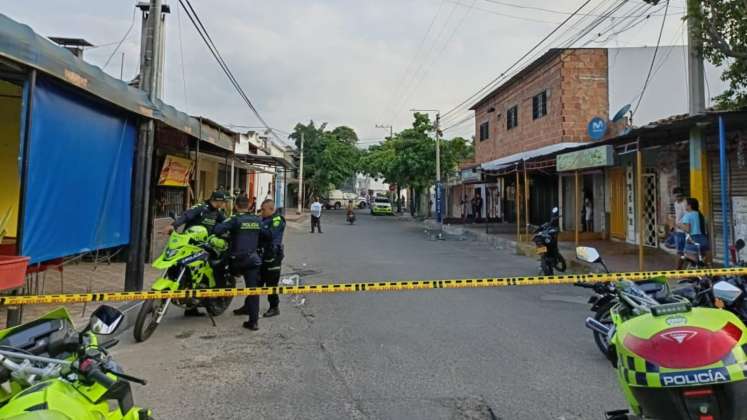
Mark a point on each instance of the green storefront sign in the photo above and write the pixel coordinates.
(587, 158)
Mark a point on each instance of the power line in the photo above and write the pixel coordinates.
(469, 118)
(537, 45)
(542, 9)
(202, 31)
(653, 59)
(119, 44)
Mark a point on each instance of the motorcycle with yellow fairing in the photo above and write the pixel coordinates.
(190, 260)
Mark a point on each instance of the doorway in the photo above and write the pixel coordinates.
(618, 203)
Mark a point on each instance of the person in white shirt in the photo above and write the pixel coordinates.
(680, 208)
(316, 215)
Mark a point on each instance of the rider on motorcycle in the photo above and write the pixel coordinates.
(207, 214)
(350, 213)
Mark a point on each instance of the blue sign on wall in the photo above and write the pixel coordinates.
(597, 128)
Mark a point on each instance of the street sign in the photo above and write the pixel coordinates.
(597, 128)
(587, 158)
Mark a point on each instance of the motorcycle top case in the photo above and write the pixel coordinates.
(702, 346)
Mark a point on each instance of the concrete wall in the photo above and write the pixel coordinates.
(667, 92)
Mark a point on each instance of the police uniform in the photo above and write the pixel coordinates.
(272, 258)
(202, 214)
(247, 236)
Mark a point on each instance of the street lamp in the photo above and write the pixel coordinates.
(439, 187)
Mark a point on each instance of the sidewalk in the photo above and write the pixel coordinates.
(79, 277)
(618, 256)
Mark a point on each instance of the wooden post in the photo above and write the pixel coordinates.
(639, 204)
(526, 200)
(518, 207)
(577, 208)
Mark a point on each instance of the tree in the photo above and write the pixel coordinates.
(408, 159)
(330, 157)
(721, 26)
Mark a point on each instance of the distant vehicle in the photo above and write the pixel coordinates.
(381, 205)
(338, 199)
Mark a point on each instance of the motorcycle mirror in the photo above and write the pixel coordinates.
(726, 291)
(105, 320)
(740, 244)
(588, 254)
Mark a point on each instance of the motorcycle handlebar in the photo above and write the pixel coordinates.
(99, 376)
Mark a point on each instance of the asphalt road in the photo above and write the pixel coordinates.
(509, 353)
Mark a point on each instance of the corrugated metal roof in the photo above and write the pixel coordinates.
(507, 161)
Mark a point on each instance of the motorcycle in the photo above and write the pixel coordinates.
(697, 291)
(51, 371)
(674, 361)
(351, 217)
(546, 240)
(189, 261)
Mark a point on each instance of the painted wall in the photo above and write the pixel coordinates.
(667, 92)
(10, 119)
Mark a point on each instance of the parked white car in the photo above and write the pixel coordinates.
(339, 199)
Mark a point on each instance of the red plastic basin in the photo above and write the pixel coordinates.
(12, 271)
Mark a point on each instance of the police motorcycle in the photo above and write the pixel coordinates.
(697, 291)
(188, 261)
(546, 240)
(674, 361)
(50, 371)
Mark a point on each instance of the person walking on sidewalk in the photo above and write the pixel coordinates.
(246, 236)
(272, 258)
(316, 215)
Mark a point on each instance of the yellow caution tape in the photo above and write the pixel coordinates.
(388, 286)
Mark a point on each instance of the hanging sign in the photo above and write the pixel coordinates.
(587, 158)
(175, 172)
(597, 128)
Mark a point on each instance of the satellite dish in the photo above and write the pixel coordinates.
(621, 113)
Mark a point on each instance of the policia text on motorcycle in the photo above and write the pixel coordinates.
(247, 237)
(272, 258)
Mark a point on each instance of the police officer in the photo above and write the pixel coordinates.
(272, 259)
(247, 237)
(207, 214)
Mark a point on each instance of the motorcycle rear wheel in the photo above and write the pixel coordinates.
(604, 316)
(560, 264)
(146, 324)
(546, 267)
(216, 306)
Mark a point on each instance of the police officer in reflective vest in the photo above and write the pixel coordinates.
(247, 237)
(269, 273)
(207, 214)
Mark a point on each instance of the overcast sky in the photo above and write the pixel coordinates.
(346, 62)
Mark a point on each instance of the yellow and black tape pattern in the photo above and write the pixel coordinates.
(389, 286)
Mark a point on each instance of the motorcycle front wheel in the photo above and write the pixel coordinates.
(546, 267)
(145, 323)
(560, 264)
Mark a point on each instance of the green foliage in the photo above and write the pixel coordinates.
(330, 157)
(409, 158)
(721, 25)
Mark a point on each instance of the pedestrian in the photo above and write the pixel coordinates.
(465, 208)
(588, 216)
(247, 237)
(316, 215)
(693, 223)
(478, 207)
(679, 207)
(272, 257)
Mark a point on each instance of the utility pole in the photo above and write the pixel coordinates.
(699, 187)
(300, 179)
(149, 82)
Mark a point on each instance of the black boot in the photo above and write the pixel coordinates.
(251, 325)
(271, 312)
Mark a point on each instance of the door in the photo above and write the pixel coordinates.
(617, 202)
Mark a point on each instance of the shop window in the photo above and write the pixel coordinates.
(539, 105)
(484, 131)
(512, 117)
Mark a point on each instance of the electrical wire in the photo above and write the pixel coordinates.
(119, 44)
(653, 59)
(535, 47)
(469, 118)
(205, 35)
(181, 54)
(542, 9)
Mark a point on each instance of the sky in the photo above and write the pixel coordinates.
(345, 62)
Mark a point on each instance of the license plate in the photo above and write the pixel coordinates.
(542, 250)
